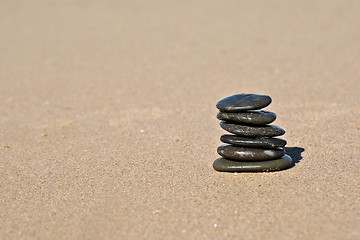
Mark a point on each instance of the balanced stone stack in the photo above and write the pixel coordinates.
(253, 147)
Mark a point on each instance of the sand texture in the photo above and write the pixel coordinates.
(108, 125)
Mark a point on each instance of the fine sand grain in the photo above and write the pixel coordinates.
(108, 124)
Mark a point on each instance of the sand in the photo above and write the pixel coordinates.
(108, 124)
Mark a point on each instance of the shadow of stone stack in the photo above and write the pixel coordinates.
(252, 146)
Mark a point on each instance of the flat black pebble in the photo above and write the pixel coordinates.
(242, 102)
(249, 154)
(250, 117)
(225, 165)
(252, 131)
(253, 142)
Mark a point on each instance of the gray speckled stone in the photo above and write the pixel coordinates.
(225, 165)
(249, 154)
(242, 102)
(253, 142)
(252, 131)
(249, 117)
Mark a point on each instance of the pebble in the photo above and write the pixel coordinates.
(224, 165)
(253, 142)
(242, 102)
(249, 117)
(252, 131)
(249, 154)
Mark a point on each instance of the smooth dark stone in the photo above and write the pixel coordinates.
(249, 117)
(242, 102)
(253, 142)
(225, 165)
(252, 131)
(249, 154)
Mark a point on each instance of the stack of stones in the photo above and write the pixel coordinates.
(253, 147)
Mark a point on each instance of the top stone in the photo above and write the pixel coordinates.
(243, 102)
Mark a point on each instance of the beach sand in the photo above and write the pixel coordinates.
(108, 124)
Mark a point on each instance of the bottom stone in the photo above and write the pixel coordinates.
(225, 165)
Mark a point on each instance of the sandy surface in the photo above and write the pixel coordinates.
(108, 127)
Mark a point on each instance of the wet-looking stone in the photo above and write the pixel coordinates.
(254, 117)
(252, 131)
(226, 165)
(249, 154)
(242, 102)
(253, 142)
